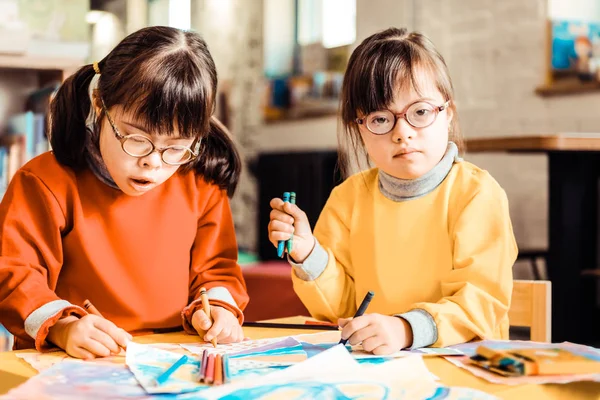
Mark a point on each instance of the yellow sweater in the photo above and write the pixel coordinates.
(449, 253)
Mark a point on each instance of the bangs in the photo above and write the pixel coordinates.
(166, 97)
(387, 67)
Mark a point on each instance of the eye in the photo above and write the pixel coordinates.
(422, 112)
(136, 139)
(379, 119)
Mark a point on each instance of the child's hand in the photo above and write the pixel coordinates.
(379, 334)
(88, 337)
(226, 327)
(288, 219)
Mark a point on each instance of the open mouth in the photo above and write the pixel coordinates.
(141, 181)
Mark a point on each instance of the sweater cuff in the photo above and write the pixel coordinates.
(423, 327)
(217, 296)
(313, 266)
(39, 322)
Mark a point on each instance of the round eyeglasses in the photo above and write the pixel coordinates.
(140, 146)
(420, 114)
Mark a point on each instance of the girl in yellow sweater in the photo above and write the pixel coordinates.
(429, 233)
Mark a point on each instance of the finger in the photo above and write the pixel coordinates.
(80, 352)
(95, 347)
(279, 235)
(239, 334)
(201, 322)
(276, 225)
(354, 325)
(281, 216)
(215, 331)
(225, 336)
(119, 335)
(295, 212)
(276, 203)
(106, 340)
(362, 334)
(383, 350)
(372, 343)
(343, 321)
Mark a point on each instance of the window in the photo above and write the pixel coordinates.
(331, 22)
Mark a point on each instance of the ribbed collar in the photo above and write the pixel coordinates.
(397, 189)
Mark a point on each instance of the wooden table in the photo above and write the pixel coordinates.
(14, 371)
(574, 174)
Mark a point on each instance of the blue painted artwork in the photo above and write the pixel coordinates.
(565, 35)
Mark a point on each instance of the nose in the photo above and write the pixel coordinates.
(403, 131)
(151, 161)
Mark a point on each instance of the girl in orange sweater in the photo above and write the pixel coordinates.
(129, 210)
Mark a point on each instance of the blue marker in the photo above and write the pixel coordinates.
(162, 378)
(361, 310)
(289, 243)
(281, 243)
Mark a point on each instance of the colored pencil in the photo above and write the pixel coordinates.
(206, 307)
(89, 307)
(226, 376)
(218, 370)
(203, 362)
(209, 377)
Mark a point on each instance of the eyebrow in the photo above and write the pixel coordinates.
(143, 129)
(429, 99)
(136, 126)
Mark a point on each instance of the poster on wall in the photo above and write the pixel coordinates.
(576, 49)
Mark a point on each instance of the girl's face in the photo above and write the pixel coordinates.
(136, 175)
(408, 152)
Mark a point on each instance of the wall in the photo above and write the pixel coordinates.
(233, 30)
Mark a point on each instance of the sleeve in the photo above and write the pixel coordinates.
(477, 292)
(31, 257)
(214, 262)
(324, 282)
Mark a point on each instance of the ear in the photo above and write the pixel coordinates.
(96, 103)
(450, 113)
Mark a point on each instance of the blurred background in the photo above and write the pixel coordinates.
(521, 69)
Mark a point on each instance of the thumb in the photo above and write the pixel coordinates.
(342, 322)
(200, 321)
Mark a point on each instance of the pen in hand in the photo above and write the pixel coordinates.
(361, 310)
(89, 307)
(206, 307)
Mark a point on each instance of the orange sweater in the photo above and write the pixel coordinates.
(66, 237)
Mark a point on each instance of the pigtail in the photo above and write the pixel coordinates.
(219, 160)
(68, 112)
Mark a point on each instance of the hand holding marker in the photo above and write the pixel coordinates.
(361, 310)
(281, 243)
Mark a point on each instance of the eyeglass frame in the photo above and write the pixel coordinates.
(121, 138)
(397, 116)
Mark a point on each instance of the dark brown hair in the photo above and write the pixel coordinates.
(378, 67)
(167, 78)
